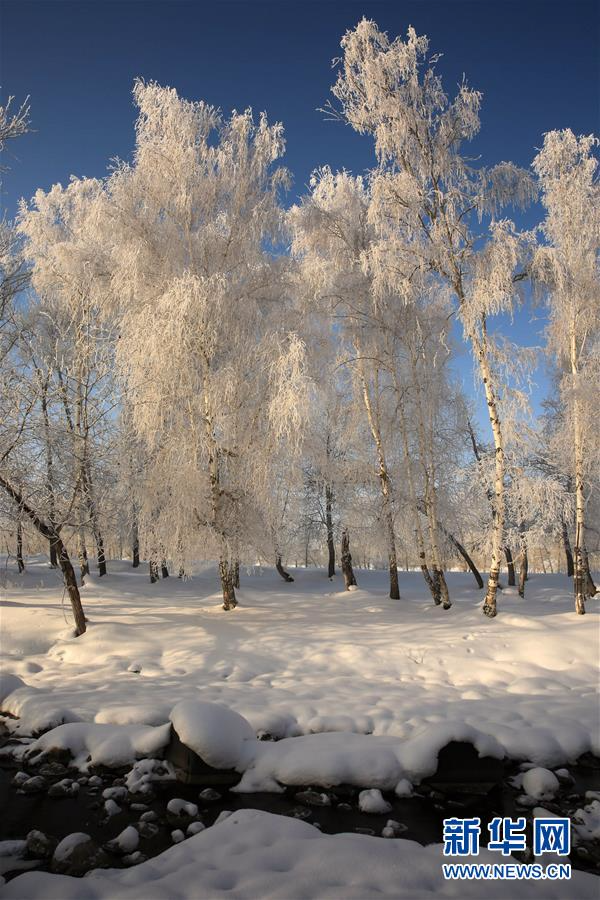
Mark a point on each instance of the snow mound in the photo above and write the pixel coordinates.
(357, 724)
(364, 760)
(419, 755)
(34, 707)
(326, 760)
(542, 784)
(8, 684)
(256, 854)
(109, 745)
(140, 714)
(220, 736)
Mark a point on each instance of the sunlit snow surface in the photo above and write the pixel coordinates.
(308, 656)
(310, 664)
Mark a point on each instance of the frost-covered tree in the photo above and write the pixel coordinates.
(430, 196)
(332, 239)
(74, 341)
(567, 168)
(214, 380)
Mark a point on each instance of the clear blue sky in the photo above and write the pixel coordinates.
(537, 64)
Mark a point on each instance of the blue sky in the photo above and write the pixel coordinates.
(537, 64)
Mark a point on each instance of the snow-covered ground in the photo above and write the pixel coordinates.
(310, 657)
(255, 855)
(359, 688)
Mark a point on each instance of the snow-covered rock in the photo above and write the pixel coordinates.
(586, 822)
(111, 808)
(393, 829)
(117, 792)
(179, 807)
(77, 854)
(542, 784)
(209, 795)
(147, 771)
(40, 845)
(404, 788)
(371, 801)
(110, 745)
(65, 848)
(220, 736)
(66, 787)
(34, 785)
(126, 841)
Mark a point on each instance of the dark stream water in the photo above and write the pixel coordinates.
(421, 815)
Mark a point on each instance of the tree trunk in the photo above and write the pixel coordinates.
(153, 566)
(579, 581)
(227, 587)
(384, 481)
(441, 594)
(164, 571)
(510, 565)
(72, 589)
(480, 345)
(49, 472)
(235, 574)
(285, 575)
(590, 587)
(20, 562)
(523, 566)
(429, 581)
(84, 565)
(51, 534)
(329, 526)
(568, 551)
(135, 545)
(349, 579)
(466, 557)
(53, 554)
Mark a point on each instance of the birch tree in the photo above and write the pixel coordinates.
(430, 196)
(332, 236)
(567, 167)
(213, 377)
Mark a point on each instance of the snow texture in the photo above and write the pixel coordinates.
(255, 854)
(524, 685)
